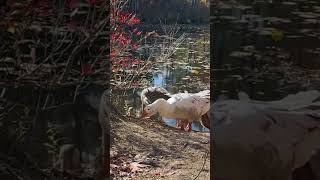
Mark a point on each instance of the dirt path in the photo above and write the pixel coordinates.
(149, 149)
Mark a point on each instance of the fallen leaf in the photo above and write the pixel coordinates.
(170, 173)
(113, 166)
(113, 154)
(136, 167)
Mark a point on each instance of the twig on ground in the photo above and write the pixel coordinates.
(204, 162)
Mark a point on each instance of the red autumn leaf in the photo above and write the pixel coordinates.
(71, 3)
(138, 33)
(122, 38)
(136, 62)
(44, 13)
(135, 84)
(86, 69)
(72, 25)
(92, 1)
(113, 54)
(134, 21)
(114, 36)
(134, 46)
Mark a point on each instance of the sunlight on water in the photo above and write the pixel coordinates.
(158, 80)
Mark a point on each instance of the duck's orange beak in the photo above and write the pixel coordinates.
(144, 114)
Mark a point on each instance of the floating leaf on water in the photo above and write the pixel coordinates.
(11, 29)
(206, 67)
(182, 63)
(240, 54)
(265, 31)
(276, 35)
(195, 71)
(249, 48)
(238, 77)
(260, 93)
(197, 68)
(8, 60)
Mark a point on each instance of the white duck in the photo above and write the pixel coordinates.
(185, 107)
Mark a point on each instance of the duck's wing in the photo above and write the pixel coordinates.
(193, 105)
(151, 94)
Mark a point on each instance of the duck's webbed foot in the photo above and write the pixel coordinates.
(185, 125)
(178, 123)
(181, 124)
(182, 128)
(189, 127)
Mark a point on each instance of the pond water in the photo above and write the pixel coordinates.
(187, 69)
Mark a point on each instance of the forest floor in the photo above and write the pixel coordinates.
(149, 149)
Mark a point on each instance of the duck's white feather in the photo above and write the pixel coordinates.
(188, 105)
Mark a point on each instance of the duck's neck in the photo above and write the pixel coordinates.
(163, 107)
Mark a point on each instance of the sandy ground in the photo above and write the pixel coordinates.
(149, 149)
